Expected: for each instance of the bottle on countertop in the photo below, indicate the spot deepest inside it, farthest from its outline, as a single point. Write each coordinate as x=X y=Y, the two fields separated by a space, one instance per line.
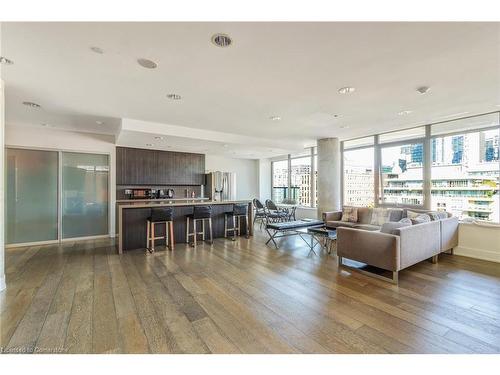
x=193 y=195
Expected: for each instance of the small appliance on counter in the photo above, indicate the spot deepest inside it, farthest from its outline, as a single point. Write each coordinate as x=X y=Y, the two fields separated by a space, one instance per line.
x=165 y=193
x=141 y=194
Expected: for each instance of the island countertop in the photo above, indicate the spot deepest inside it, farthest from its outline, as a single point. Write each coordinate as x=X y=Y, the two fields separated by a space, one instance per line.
x=132 y=218
x=176 y=203
x=162 y=200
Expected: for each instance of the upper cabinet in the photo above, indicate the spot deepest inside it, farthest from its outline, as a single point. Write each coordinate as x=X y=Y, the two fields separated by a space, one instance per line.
x=150 y=167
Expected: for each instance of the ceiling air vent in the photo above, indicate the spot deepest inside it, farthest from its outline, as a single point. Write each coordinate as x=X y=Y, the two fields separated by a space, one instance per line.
x=221 y=40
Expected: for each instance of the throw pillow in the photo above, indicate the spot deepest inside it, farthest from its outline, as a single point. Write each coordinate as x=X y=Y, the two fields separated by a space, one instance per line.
x=379 y=216
x=406 y=221
x=350 y=214
x=422 y=218
x=412 y=214
x=391 y=226
x=438 y=215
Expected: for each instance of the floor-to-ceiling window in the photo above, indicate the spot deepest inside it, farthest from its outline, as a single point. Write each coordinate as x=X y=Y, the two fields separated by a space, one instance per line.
x=358 y=166
x=294 y=177
x=466 y=168
x=54 y=195
x=300 y=180
x=451 y=166
x=401 y=174
x=280 y=181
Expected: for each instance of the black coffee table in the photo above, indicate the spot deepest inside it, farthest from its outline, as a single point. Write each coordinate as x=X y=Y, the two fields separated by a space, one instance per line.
x=323 y=236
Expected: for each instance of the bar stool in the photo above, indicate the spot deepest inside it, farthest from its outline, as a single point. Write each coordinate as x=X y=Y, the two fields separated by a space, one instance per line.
x=160 y=215
x=239 y=211
x=200 y=213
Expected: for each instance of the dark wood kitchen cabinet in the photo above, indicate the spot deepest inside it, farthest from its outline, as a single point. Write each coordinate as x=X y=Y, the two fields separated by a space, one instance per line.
x=150 y=167
x=140 y=167
x=166 y=167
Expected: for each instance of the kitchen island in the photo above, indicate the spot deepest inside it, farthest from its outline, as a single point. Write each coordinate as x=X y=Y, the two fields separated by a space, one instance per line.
x=132 y=217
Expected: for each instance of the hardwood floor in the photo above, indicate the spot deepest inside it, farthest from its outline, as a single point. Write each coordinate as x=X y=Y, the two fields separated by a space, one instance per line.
x=240 y=297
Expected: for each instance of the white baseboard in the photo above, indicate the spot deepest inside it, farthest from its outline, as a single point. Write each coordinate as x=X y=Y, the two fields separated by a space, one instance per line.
x=492 y=256
x=2 y=283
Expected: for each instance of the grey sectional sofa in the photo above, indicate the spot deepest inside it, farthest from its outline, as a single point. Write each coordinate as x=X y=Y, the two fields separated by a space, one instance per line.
x=403 y=247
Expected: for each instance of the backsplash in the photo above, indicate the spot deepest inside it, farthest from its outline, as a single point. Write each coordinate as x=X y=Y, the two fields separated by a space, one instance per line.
x=179 y=191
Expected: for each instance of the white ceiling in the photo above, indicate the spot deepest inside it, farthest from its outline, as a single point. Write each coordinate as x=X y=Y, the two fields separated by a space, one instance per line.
x=292 y=70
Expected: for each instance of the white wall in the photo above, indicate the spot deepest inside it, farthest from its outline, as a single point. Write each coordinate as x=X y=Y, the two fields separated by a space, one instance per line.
x=265 y=179
x=247 y=173
x=32 y=137
x=480 y=242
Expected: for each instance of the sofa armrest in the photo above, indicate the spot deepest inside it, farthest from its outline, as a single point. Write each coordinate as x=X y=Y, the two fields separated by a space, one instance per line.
x=419 y=242
x=332 y=216
x=374 y=248
x=449 y=233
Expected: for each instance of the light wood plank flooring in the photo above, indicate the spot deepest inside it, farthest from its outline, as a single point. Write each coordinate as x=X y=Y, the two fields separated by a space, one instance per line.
x=240 y=297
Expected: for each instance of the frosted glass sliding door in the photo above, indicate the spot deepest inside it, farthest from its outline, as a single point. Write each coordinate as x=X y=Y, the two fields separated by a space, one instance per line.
x=31 y=195
x=84 y=194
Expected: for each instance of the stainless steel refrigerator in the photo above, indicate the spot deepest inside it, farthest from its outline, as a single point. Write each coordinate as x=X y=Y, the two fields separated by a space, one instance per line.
x=221 y=186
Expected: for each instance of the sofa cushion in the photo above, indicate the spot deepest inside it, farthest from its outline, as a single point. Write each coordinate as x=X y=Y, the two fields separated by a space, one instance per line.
x=367 y=227
x=350 y=214
x=406 y=220
x=336 y=224
x=390 y=227
x=419 y=219
x=379 y=216
x=364 y=215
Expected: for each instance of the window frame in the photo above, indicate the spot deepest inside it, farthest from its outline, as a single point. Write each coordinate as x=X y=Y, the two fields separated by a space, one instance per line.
x=312 y=152
x=426 y=141
x=342 y=168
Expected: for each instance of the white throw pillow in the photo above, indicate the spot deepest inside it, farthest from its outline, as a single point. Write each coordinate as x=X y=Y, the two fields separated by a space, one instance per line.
x=412 y=214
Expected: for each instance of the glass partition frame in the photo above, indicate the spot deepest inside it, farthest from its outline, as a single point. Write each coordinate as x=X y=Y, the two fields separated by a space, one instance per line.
x=59 y=193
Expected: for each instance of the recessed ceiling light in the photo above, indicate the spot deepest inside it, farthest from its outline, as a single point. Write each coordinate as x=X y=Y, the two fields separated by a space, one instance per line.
x=148 y=64
x=159 y=138
x=221 y=40
x=99 y=122
x=149 y=144
x=404 y=113
x=5 y=61
x=336 y=115
x=423 y=90
x=44 y=124
x=275 y=118
x=174 y=97
x=346 y=90
x=97 y=50
x=32 y=105
x=344 y=127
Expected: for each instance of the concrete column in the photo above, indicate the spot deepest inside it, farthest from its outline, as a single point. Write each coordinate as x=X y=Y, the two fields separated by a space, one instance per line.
x=329 y=182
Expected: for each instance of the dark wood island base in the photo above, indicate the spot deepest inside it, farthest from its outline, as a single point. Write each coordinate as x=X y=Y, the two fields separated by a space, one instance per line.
x=132 y=219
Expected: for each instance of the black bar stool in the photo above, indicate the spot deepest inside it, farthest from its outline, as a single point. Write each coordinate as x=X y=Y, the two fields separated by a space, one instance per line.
x=160 y=215
x=200 y=213
x=239 y=211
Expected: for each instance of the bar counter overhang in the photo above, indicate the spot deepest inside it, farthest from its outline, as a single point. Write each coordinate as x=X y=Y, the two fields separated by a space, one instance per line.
x=132 y=217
